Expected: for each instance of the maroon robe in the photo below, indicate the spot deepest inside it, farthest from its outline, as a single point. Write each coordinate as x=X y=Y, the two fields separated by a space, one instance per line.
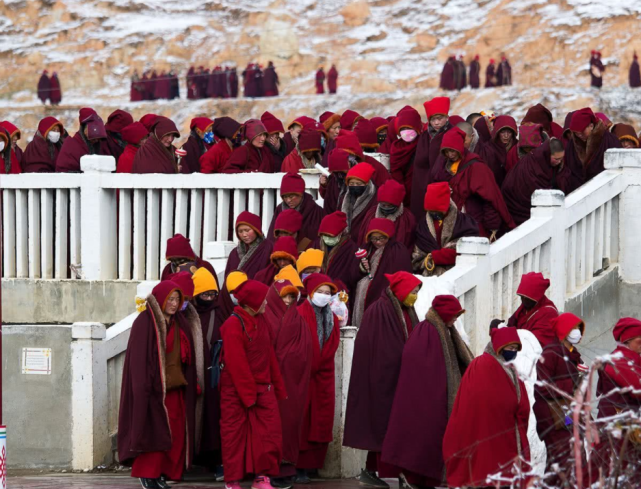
x=312 y=216
x=402 y=156
x=293 y=346
x=195 y=147
x=355 y=220
x=495 y=153
x=153 y=157
x=248 y=158
x=270 y=82
x=404 y=222
x=634 y=75
x=475 y=72
x=41 y=155
x=490 y=79
x=74 y=148
x=56 y=91
x=332 y=80
x=448 y=81
x=332 y=194
x=320 y=80
x=533 y=172
x=44 y=88
x=537 y=320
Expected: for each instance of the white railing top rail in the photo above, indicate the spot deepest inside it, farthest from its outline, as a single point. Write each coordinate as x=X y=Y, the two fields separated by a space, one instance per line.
x=25 y=181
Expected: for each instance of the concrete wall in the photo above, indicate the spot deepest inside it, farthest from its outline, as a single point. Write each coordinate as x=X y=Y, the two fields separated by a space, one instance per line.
x=29 y=301
x=629 y=304
x=37 y=408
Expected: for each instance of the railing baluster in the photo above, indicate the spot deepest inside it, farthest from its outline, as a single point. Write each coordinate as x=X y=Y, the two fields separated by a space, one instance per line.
x=269 y=198
x=153 y=234
x=124 y=234
x=166 y=224
x=590 y=245
x=572 y=258
x=239 y=204
x=253 y=201
x=9 y=233
x=75 y=236
x=536 y=265
x=599 y=237
x=139 y=234
x=607 y=238
x=62 y=227
x=196 y=220
x=222 y=211
x=182 y=204
x=209 y=215
x=22 y=236
x=46 y=245
x=582 y=253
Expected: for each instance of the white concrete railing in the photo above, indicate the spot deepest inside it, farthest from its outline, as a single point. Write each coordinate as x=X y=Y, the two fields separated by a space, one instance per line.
x=125 y=220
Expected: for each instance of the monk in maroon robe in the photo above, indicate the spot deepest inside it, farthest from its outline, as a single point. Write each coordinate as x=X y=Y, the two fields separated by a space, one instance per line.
x=403 y=150
x=378 y=350
x=348 y=141
x=135 y=136
x=284 y=253
x=448 y=81
x=250 y=388
x=56 y=90
x=8 y=159
x=434 y=359
x=596 y=70
x=320 y=81
x=589 y=140
x=275 y=142
x=228 y=132
x=627 y=135
x=504 y=73
x=359 y=198
x=270 y=81
x=543 y=168
x=333 y=188
x=539 y=114
x=42 y=152
x=487 y=430
x=428 y=150
x=318 y=421
x=473 y=186
x=438 y=233
x=162 y=377
x=89 y=140
x=536 y=311
x=504 y=140
x=634 y=74
x=390 y=206
x=490 y=77
x=12 y=154
x=179 y=253
x=158 y=154
x=116 y=122
x=332 y=80
x=201 y=138
x=475 y=73
x=293 y=345
x=44 y=87
x=253 y=156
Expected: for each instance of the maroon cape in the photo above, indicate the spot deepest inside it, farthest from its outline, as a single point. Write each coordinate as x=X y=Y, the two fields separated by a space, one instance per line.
x=537 y=321
x=56 y=91
x=293 y=346
x=270 y=82
x=404 y=222
x=44 y=88
x=41 y=155
x=533 y=172
x=481 y=436
x=635 y=75
x=312 y=216
x=495 y=156
x=195 y=148
x=332 y=80
x=402 y=157
x=447 y=75
x=376 y=364
x=153 y=157
x=76 y=147
x=589 y=165
x=475 y=72
x=490 y=80
x=248 y=158
x=464 y=225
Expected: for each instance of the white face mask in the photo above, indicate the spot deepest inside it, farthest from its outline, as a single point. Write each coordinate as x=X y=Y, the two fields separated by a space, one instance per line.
x=53 y=136
x=1 y=146
x=321 y=300
x=233 y=299
x=408 y=135
x=574 y=337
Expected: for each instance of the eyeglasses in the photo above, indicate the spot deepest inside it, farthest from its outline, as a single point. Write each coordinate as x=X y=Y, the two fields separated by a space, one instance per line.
x=209 y=295
x=378 y=239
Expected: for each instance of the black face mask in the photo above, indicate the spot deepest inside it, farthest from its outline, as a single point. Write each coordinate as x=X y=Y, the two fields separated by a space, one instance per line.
x=340 y=178
x=387 y=209
x=237 y=141
x=436 y=216
x=508 y=355
x=202 y=302
x=356 y=191
x=381 y=137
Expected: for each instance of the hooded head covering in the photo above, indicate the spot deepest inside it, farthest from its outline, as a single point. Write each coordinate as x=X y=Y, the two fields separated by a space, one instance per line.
x=402 y=283
x=11 y=129
x=133 y=133
x=502 y=337
x=95 y=127
x=362 y=172
x=333 y=224
x=251 y=294
x=204 y=281
x=379 y=123
x=348 y=119
x=164 y=289
x=381 y=226
x=330 y=121
x=626 y=132
x=292 y=183
x=391 y=192
x=164 y=126
x=185 y=282
x=285 y=248
x=317 y=280
x=225 y=127
x=252 y=220
x=290 y=221
x=202 y=123
x=539 y=114
x=627 y=329
x=566 y=322
x=310 y=258
x=454 y=139
x=437 y=197
x=504 y=122
x=348 y=141
x=447 y=307
x=47 y=124
x=533 y=286
x=254 y=128
x=338 y=161
x=271 y=123
x=309 y=140
x=285 y=287
x=408 y=118
x=118 y=120
x=366 y=133
x=324 y=116
x=178 y=247
x=530 y=135
x=582 y=119
x=148 y=120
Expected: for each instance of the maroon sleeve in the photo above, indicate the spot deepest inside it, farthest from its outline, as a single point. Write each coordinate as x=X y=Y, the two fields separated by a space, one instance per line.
x=235 y=361
x=444 y=256
x=625 y=375
x=483 y=184
x=546 y=371
x=236 y=162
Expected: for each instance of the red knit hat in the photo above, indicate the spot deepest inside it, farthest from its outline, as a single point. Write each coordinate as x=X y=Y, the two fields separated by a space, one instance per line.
x=338 y=161
x=502 y=337
x=309 y=139
x=185 y=282
x=348 y=119
x=437 y=106
x=362 y=171
x=627 y=329
x=533 y=286
x=289 y=220
x=566 y=322
x=402 y=283
x=454 y=139
x=271 y=123
x=437 y=197
x=408 y=118
x=163 y=290
x=530 y=135
x=301 y=121
x=251 y=220
x=202 y=123
x=251 y=294
x=391 y=192
x=178 y=247
x=333 y=224
x=582 y=119
x=148 y=120
x=133 y=133
x=285 y=247
x=381 y=226
x=316 y=280
x=379 y=123
x=46 y=125
x=447 y=307
x=366 y=133
x=292 y=183
x=348 y=141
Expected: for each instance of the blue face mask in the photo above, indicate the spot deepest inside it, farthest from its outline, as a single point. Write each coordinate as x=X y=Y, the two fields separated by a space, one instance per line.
x=323 y=142
x=509 y=355
x=184 y=306
x=208 y=137
x=304 y=276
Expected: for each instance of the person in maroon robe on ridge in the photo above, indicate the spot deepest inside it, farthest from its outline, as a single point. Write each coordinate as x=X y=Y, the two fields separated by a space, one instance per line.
x=229 y=134
x=378 y=350
x=448 y=78
x=116 y=121
x=201 y=139
x=135 y=136
x=135 y=92
x=403 y=149
x=253 y=156
x=56 y=90
x=318 y=421
x=475 y=73
x=543 y=168
x=504 y=140
x=158 y=154
x=634 y=75
x=487 y=430
x=191 y=90
x=490 y=76
x=332 y=80
x=233 y=82
x=473 y=186
x=159 y=427
x=91 y=139
x=44 y=87
x=42 y=152
x=390 y=206
x=433 y=361
x=436 y=236
x=250 y=388
x=270 y=81
x=320 y=81
x=596 y=70
x=504 y=73
x=585 y=152
x=293 y=345
x=428 y=151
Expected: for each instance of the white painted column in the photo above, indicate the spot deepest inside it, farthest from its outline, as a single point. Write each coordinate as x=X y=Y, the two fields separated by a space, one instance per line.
x=98 y=219
x=217 y=253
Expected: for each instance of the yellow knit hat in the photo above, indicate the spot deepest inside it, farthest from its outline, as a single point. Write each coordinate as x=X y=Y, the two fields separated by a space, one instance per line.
x=234 y=279
x=289 y=273
x=203 y=281
x=310 y=258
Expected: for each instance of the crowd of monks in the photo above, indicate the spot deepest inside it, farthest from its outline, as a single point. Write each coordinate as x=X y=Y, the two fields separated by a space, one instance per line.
x=49 y=88
x=238 y=376
x=152 y=86
x=332 y=80
x=454 y=75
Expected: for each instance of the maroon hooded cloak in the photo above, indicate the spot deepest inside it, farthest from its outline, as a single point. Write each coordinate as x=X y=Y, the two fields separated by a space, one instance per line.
x=116 y=122
x=78 y=146
x=248 y=158
x=44 y=87
x=312 y=216
x=475 y=74
x=490 y=78
x=41 y=155
x=447 y=75
x=332 y=79
x=634 y=74
x=153 y=156
x=494 y=153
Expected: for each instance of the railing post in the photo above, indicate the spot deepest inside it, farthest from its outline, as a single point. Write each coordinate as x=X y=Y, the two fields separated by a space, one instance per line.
x=98 y=219
x=551 y=204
